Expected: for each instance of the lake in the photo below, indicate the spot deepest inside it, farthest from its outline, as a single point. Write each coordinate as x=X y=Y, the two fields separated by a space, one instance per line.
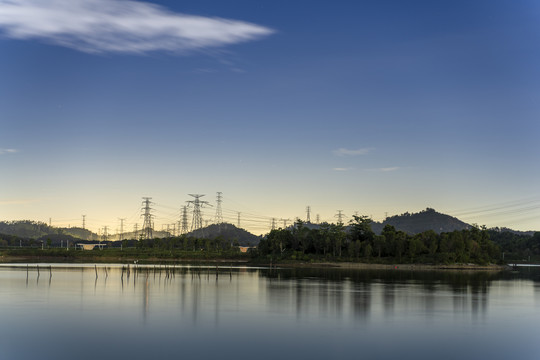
x=74 y=311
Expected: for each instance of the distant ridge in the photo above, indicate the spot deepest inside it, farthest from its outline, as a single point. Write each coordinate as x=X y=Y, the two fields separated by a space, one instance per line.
x=228 y=232
x=416 y=223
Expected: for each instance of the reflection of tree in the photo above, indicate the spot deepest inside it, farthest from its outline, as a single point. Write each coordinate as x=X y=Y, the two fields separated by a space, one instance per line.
x=361 y=299
x=469 y=290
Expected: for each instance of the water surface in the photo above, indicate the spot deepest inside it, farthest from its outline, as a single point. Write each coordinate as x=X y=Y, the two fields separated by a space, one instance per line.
x=82 y=312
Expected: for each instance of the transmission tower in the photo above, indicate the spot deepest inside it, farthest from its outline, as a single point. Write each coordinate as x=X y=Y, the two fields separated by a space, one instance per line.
x=105 y=234
x=121 y=229
x=285 y=222
x=219 y=213
x=239 y=221
x=308 y=211
x=340 y=216
x=136 y=230
x=318 y=219
x=84 y=222
x=273 y=226
x=197 y=216
x=184 y=228
x=148 y=224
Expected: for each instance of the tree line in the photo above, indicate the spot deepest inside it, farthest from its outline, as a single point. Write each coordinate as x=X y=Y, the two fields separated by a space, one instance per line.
x=358 y=242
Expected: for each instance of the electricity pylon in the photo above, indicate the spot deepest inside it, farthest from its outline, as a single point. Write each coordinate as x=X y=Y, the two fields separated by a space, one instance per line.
x=121 y=237
x=184 y=228
x=219 y=213
x=340 y=216
x=197 y=222
x=148 y=224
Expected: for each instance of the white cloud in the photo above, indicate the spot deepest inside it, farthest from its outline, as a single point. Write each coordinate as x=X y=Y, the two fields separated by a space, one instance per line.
x=347 y=152
x=385 y=169
x=8 y=151
x=341 y=169
x=121 y=26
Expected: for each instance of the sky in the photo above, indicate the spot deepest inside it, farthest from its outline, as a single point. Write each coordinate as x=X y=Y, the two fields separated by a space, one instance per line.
x=374 y=108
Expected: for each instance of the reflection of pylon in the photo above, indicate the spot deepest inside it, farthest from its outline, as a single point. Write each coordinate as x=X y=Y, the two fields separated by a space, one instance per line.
x=219 y=214
x=184 y=228
x=197 y=216
x=148 y=225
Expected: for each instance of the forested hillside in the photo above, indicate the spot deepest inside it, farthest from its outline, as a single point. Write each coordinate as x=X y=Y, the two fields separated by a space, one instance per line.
x=416 y=223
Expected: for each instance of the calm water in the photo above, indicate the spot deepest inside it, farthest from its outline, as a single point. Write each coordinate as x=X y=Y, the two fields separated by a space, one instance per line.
x=256 y=313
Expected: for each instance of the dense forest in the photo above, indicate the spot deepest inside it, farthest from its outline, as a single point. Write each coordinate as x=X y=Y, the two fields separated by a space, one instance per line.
x=518 y=247
x=358 y=242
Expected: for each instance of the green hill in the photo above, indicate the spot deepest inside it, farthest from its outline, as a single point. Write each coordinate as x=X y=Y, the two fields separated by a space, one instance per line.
x=416 y=223
x=227 y=232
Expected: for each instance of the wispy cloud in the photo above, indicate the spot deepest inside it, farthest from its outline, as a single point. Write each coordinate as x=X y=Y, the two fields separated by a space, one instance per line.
x=8 y=151
x=342 y=169
x=19 y=201
x=102 y=26
x=384 y=169
x=348 y=152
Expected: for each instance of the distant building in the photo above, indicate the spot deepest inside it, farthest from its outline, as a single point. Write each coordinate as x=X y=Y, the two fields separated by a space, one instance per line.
x=90 y=246
x=244 y=249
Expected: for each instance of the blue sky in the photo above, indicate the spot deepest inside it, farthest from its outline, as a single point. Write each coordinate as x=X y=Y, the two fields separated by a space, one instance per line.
x=369 y=106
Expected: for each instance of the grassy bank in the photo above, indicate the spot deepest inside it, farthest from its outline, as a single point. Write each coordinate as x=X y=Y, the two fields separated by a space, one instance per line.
x=157 y=256
x=117 y=256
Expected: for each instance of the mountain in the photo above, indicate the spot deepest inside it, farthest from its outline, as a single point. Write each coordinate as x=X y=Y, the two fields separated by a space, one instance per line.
x=26 y=229
x=415 y=223
x=228 y=232
x=36 y=230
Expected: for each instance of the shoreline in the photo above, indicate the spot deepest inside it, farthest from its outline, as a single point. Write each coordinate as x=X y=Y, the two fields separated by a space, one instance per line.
x=419 y=267
x=249 y=262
